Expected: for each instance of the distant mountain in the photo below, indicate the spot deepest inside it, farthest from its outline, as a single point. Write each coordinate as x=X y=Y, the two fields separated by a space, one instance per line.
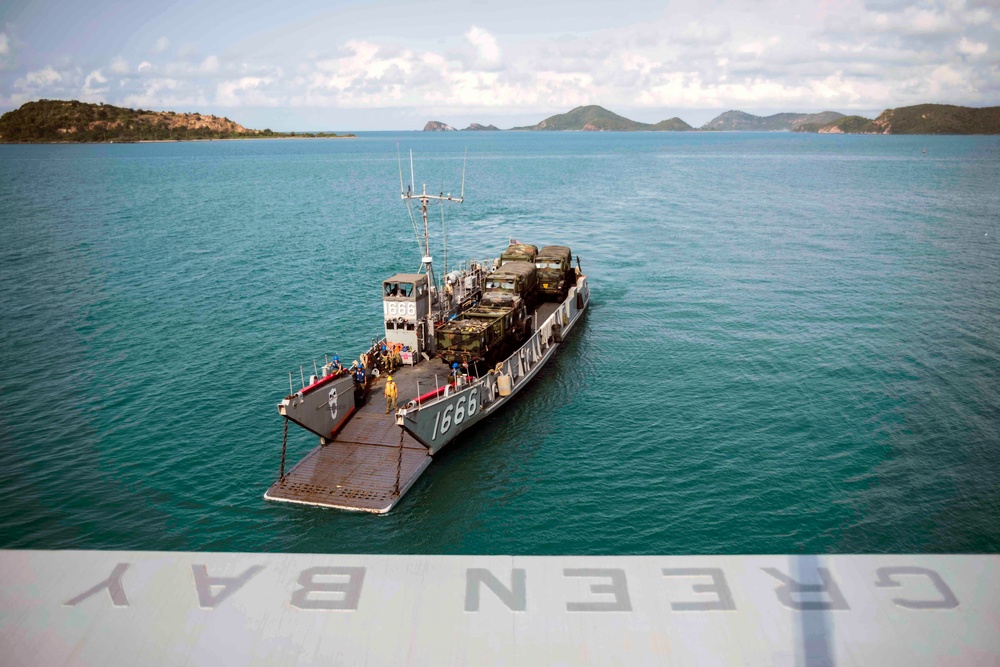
x=437 y=126
x=779 y=122
x=476 y=127
x=598 y=119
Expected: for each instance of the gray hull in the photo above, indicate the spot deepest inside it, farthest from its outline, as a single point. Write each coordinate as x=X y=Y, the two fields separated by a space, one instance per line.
x=323 y=407
x=437 y=423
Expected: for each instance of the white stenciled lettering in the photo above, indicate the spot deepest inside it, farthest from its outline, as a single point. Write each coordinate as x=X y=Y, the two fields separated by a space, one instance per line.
x=113 y=584
x=473 y=401
x=446 y=419
x=399 y=308
x=204 y=584
x=460 y=411
x=349 y=591
x=515 y=597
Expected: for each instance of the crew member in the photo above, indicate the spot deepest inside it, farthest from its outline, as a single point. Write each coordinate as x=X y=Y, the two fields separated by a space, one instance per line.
x=391 y=392
x=359 y=375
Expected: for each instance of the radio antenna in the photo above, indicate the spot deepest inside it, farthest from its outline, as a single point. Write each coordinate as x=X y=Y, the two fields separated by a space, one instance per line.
x=465 y=161
x=425 y=199
x=399 y=160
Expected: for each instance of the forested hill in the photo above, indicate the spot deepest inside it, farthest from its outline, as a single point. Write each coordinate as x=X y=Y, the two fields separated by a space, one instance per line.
x=49 y=121
x=596 y=119
x=922 y=119
x=779 y=122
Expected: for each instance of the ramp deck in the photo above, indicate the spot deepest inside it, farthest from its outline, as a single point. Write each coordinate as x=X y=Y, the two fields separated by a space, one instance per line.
x=356 y=471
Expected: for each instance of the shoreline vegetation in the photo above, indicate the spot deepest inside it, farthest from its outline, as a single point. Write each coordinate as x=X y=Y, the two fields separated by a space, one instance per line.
x=918 y=119
x=73 y=122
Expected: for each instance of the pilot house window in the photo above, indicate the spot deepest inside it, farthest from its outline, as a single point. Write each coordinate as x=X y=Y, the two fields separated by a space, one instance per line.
x=398 y=289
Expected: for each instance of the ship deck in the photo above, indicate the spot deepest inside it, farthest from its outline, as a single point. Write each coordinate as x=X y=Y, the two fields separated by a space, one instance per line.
x=372 y=462
x=358 y=469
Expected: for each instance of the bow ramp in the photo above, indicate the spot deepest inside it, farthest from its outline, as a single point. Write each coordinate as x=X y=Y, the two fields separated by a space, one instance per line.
x=367 y=466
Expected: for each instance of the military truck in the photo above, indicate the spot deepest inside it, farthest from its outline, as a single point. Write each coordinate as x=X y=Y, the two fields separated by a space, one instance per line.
x=519 y=252
x=555 y=272
x=485 y=334
x=498 y=325
x=514 y=277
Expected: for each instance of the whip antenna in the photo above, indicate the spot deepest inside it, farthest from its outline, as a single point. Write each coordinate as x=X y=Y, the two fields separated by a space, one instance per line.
x=465 y=161
x=399 y=160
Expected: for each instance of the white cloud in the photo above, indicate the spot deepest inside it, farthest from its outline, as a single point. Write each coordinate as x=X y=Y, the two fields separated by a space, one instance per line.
x=93 y=90
x=913 y=22
x=39 y=78
x=161 y=45
x=168 y=94
x=118 y=65
x=978 y=16
x=210 y=65
x=245 y=91
x=94 y=77
x=485 y=44
x=971 y=48
x=4 y=44
x=143 y=66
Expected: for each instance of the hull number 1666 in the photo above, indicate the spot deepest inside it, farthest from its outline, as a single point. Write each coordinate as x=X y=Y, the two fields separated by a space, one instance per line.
x=455 y=414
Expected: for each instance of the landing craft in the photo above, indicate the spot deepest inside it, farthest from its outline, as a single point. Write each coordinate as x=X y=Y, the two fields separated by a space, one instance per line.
x=457 y=352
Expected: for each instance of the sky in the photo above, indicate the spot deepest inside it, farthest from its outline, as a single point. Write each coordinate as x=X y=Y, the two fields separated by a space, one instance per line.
x=339 y=65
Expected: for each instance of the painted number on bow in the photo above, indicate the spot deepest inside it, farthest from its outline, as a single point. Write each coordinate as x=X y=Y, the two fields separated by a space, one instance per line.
x=455 y=414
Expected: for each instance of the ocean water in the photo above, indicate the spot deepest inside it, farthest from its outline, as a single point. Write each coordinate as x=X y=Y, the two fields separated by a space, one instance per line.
x=792 y=345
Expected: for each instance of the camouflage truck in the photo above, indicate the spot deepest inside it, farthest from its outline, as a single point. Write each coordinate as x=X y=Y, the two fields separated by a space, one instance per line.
x=514 y=278
x=498 y=325
x=555 y=272
x=519 y=252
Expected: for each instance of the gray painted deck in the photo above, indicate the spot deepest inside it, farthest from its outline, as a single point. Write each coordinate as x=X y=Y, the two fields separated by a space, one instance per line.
x=148 y=608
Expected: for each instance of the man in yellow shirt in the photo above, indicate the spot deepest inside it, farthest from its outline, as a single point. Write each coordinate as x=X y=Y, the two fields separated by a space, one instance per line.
x=390 y=394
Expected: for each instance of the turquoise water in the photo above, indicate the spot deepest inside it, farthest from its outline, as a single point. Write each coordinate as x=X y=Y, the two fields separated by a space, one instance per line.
x=792 y=346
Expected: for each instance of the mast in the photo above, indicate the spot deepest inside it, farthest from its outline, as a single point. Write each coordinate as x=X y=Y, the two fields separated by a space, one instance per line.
x=427 y=263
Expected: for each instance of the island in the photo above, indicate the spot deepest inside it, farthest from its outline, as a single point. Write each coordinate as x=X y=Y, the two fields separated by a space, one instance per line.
x=70 y=121
x=437 y=126
x=594 y=118
x=921 y=119
x=918 y=119
x=739 y=121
